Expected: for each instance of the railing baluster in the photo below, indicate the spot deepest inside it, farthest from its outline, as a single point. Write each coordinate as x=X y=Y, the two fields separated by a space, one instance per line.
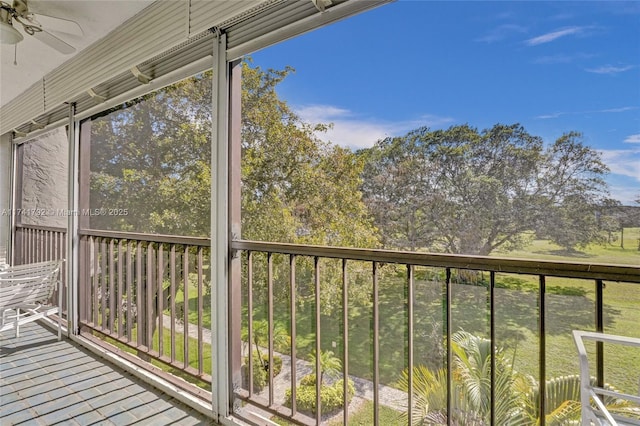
x=270 y=322
x=292 y=307
x=30 y=258
x=200 y=308
x=161 y=299
x=41 y=245
x=51 y=239
x=599 y=329
x=316 y=261
x=139 y=313
x=149 y=297
x=20 y=238
x=82 y=281
x=492 y=338
x=29 y=246
x=410 y=301
x=185 y=305
x=542 y=354
x=103 y=282
x=172 y=291
x=96 y=253
x=449 y=352
x=89 y=279
x=345 y=342
x=34 y=246
x=250 y=318
x=112 y=292
x=376 y=346
x=46 y=244
x=121 y=322
x=129 y=289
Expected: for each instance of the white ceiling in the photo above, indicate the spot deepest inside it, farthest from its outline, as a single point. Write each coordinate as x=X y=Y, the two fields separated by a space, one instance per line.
x=96 y=18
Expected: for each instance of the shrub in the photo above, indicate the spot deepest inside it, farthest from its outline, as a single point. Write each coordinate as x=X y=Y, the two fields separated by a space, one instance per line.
x=331 y=396
x=260 y=374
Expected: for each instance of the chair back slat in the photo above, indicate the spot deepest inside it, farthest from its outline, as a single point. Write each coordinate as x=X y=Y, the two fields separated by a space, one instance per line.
x=28 y=284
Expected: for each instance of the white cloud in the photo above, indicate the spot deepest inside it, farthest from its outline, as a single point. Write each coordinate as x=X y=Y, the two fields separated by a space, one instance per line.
x=627 y=195
x=352 y=131
x=320 y=113
x=625 y=162
x=554 y=35
x=501 y=33
x=633 y=138
x=562 y=58
x=550 y=116
x=621 y=109
x=609 y=69
x=597 y=111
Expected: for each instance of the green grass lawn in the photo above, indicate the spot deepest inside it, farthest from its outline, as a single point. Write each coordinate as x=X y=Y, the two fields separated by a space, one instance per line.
x=611 y=253
x=362 y=416
x=179 y=355
x=570 y=305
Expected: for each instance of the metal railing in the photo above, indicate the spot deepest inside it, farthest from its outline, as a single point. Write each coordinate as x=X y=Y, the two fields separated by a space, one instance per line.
x=34 y=243
x=147 y=294
x=282 y=280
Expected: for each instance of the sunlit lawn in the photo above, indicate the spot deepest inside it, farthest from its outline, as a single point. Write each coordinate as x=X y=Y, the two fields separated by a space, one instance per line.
x=570 y=305
x=178 y=356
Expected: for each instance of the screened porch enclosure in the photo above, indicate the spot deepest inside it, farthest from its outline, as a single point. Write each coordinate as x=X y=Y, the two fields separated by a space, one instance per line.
x=128 y=163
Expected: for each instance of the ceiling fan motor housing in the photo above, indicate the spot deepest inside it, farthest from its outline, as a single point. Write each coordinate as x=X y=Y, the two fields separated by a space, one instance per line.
x=21 y=8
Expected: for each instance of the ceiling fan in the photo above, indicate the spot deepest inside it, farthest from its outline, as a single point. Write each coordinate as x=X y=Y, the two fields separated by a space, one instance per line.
x=35 y=25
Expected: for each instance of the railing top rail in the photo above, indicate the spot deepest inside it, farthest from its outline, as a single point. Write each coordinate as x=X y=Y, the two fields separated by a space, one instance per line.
x=625 y=273
x=151 y=238
x=40 y=227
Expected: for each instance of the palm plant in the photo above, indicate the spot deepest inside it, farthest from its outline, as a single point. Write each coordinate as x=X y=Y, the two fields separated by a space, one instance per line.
x=516 y=395
x=329 y=364
x=471 y=386
x=260 y=338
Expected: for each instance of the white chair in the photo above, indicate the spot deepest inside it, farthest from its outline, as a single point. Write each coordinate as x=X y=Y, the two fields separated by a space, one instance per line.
x=592 y=397
x=25 y=291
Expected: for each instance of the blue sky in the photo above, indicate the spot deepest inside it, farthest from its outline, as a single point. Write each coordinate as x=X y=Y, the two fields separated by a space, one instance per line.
x=554 y=67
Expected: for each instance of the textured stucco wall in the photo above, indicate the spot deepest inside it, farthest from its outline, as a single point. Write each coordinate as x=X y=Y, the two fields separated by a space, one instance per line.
x=44 y=180
x=5 y=193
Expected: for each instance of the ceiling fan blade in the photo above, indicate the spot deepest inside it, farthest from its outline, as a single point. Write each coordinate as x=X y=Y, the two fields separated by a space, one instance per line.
x=54 y=42
x=52 y=23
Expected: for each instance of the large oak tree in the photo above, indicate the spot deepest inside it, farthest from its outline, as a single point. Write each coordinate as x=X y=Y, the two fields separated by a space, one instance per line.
x=464 y=190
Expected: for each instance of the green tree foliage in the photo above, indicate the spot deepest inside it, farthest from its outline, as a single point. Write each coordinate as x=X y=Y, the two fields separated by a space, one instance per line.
x=462 y=190
x=295 y=188
x=151 y=157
